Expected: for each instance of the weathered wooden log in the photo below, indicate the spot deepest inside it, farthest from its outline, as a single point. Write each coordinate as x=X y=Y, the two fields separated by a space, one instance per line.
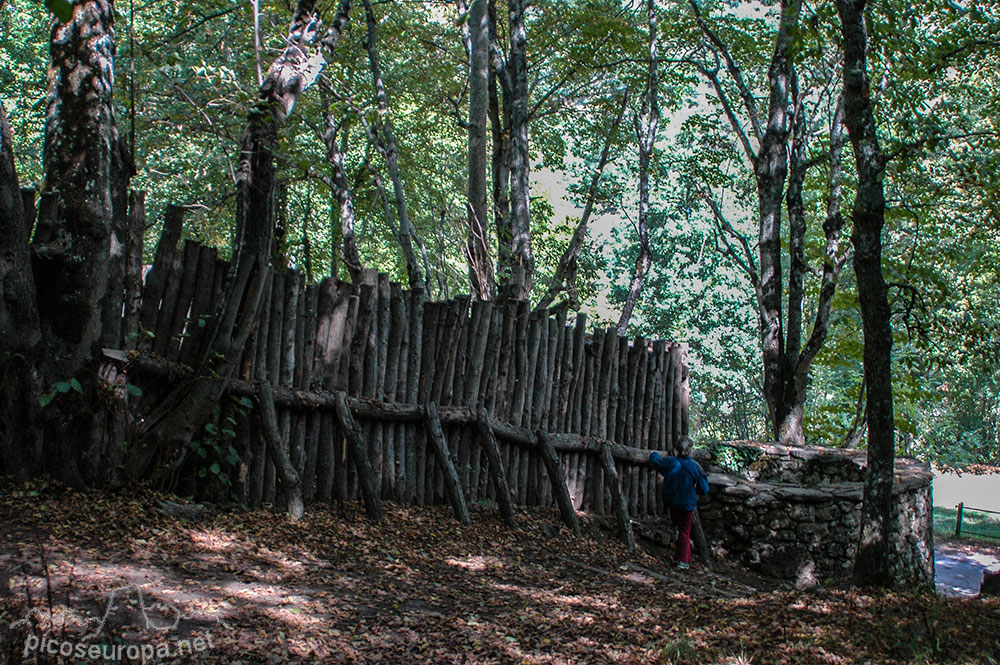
x=164 y=316
x=676 y=434
x=303 y=368
x=258 y=371
x=558 y=482
x=685 y=400
x=452 y=483
x=700 y=542
x=373 y=409
x=311 y=437
x=382 y=465
x=133 y=265
x=415 y=303
x=359 y=453
x=288 y=477
x=577 y=386
x=560 y=334
x=156 y=278
x=618 y=498
x=647 y=403
x=489 y=442
x=430 y=329
x=628 y=437
x=390 y=379
x=608 y=357
x=195 y=340
x=621 y=413
x=537 y=327
x=178 y=324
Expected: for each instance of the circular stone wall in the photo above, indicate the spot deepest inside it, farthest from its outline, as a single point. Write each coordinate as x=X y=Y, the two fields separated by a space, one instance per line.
x=795 y=513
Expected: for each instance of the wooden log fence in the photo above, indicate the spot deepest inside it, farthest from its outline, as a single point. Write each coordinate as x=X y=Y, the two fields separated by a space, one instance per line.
x=379 y=395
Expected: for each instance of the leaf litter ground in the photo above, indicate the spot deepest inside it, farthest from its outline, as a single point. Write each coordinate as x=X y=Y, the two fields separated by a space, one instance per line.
x=420 y=588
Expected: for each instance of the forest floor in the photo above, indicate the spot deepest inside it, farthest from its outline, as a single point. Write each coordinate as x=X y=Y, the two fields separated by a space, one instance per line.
x=109 y=571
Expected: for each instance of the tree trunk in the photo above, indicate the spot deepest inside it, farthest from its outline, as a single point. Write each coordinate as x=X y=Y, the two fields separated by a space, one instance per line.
x=499 y=116
x=345 y=201
x=564 y=277
x=176 y=420
x=477 y=248
x=516 y=275
x=872 y=566
x=797 y=372
x=391 y=153
x=646 y=127
x=83 y=170
x=770 y=170
x=19 y=334
x=789 y=408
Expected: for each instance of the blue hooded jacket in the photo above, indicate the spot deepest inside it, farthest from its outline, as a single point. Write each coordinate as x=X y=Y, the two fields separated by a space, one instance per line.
x=683 y=480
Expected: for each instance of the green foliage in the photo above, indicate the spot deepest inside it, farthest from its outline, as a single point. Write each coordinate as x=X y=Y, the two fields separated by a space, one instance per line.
x=214 y=455
x=187 y=73
x=735 y=459
x=60 y=388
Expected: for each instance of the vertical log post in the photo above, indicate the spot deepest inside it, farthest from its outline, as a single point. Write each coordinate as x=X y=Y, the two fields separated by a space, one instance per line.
x=489 y=443
x=617 y=498
x=451 y=482
x=559 y=489
x=373 y=506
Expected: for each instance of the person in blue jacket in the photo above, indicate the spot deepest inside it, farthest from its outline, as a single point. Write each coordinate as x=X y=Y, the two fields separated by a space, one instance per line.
x=683 y=481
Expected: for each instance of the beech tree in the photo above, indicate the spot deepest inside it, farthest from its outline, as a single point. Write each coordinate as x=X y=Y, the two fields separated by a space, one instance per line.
x=872 y=565
x=517 y=265
x=87 y=172
x=481 y=274
x=775 y=144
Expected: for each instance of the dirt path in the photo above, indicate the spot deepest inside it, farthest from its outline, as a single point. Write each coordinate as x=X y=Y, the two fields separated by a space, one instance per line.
x=420 y=588
x=958 y=568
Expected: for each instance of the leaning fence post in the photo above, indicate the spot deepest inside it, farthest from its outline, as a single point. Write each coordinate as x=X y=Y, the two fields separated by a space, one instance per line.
x=451 y=481
x=366 y=479
x=559 y=489
x=958 y=519
x=489 y=443
x=617 y=497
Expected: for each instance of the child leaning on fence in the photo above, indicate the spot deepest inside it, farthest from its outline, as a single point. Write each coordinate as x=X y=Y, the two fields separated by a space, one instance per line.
x=683 y=481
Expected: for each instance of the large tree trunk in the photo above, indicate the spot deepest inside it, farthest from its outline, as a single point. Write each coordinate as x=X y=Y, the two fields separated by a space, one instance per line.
x=517 y=273
x=477 y=246
x=83 y=170
x=789 y=409
x=798 y=361
x=499 y=116
x=872 y=565
x=771 y=169
x=646 y=127
x=19 y=333
x=181 y=415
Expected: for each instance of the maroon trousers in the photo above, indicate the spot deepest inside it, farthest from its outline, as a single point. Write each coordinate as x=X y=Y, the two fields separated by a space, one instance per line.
x=682 y=519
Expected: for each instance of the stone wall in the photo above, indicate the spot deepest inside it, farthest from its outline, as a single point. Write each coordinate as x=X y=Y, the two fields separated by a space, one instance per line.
x=794 y=513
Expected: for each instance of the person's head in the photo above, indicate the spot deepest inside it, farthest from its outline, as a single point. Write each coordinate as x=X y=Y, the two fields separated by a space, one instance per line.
x=685 y=446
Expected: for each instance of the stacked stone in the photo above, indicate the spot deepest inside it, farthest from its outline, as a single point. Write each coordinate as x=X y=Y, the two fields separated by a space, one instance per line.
x=795 y=514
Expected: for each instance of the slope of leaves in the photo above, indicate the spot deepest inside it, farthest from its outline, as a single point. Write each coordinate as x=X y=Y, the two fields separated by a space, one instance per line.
x=420 y=588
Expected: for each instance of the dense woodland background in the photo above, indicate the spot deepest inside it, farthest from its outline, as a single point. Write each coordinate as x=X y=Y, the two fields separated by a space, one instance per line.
x=188 y=73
